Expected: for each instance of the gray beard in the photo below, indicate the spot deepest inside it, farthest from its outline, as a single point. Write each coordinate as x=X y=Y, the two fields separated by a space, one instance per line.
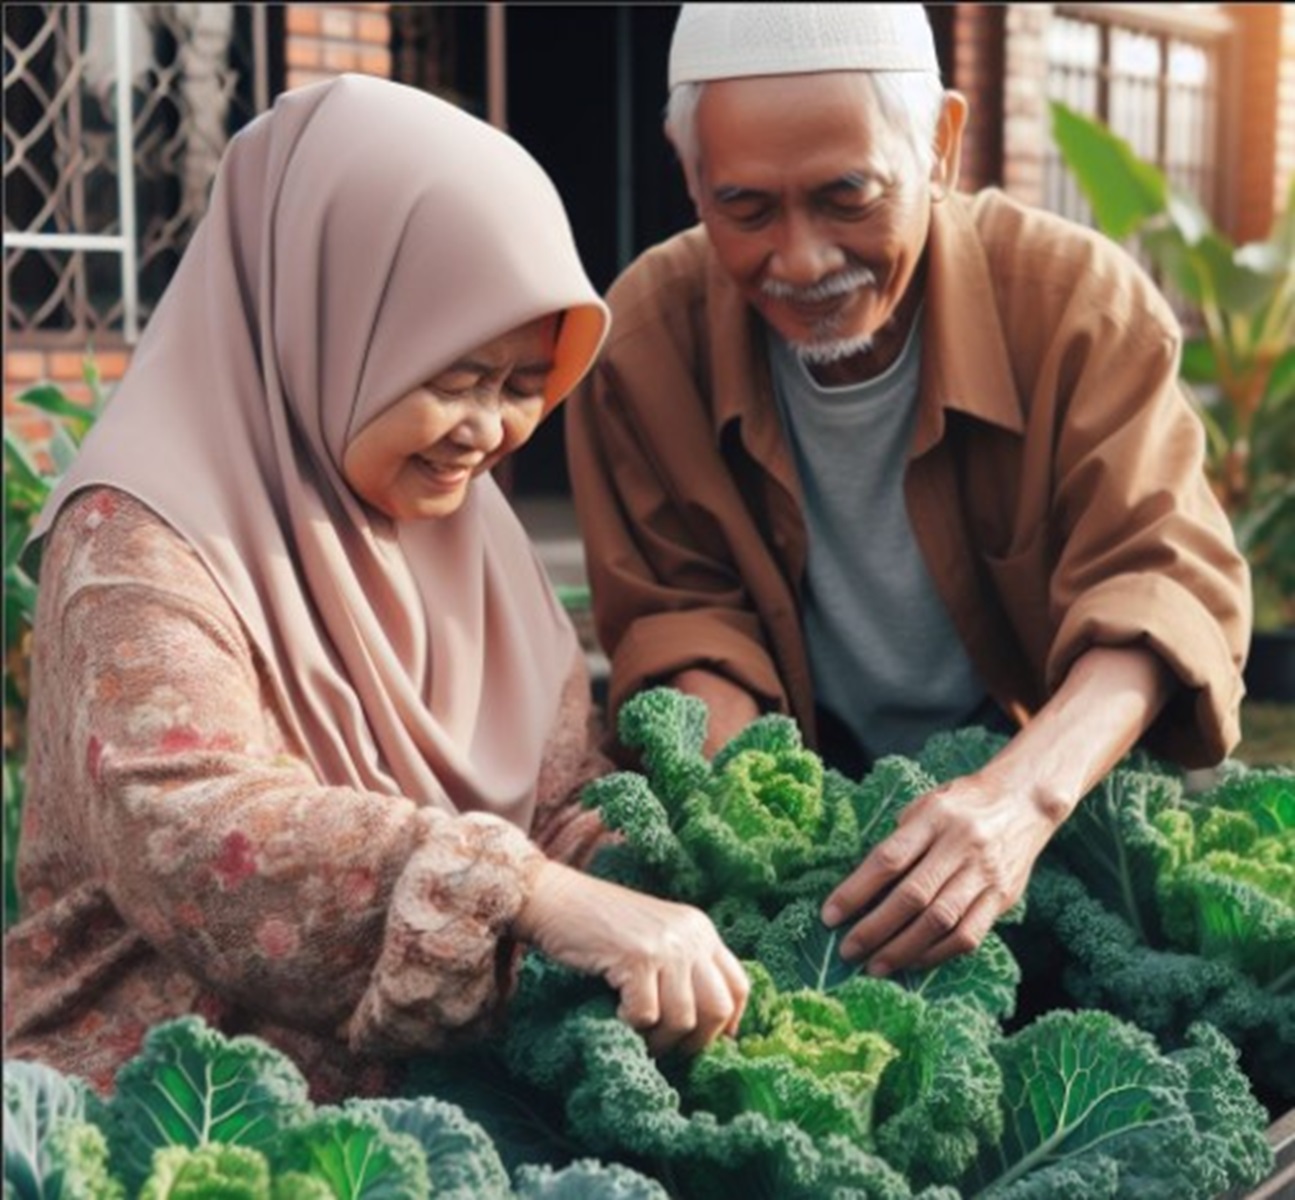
x=822 y=352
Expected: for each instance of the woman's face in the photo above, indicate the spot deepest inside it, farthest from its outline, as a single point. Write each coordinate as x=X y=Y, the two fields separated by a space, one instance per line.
x=416 y=458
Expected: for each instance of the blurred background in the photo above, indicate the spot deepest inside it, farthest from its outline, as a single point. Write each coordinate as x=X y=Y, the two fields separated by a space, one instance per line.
x=115 y=117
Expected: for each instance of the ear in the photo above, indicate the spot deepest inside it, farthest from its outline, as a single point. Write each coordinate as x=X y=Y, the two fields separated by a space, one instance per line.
x=948 y=144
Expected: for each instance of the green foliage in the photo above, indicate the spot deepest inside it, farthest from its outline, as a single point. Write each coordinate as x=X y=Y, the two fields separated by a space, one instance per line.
x=29 y=477
x=1242 y=365
x=197 y=1114
x=1173 y=908
x=210 y=1172
x=838 y=1084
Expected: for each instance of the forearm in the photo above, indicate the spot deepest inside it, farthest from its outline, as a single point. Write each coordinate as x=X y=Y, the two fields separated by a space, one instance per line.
x=731 y=707
x=1108 y=700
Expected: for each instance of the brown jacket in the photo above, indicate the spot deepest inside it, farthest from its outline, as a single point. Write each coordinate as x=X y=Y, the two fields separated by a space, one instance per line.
x=1054 y=483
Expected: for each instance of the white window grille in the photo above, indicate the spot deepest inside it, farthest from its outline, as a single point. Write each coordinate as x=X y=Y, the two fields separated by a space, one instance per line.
x=115 y=119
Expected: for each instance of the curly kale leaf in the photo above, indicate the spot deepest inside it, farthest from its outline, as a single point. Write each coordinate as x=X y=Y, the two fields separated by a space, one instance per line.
x=462 y=1161
x=52 y=1147
x=1094 y=1108
x=190 y=1086
x=1226 y=883
x=1113 y=843
x=797 y=1058
x=1107 y=965
x=668 y=729
x=987 y=978
x=956 y=753
x=207 y=1171
x=758 y=821
x=799 y=951
x=893 y=783
x=355 y=1154
x=586 y=1179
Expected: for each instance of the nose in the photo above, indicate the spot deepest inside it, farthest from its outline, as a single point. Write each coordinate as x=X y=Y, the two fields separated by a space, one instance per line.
x=481 y=429
x=803 y=254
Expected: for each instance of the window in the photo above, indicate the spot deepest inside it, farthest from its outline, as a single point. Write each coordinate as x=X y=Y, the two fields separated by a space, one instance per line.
x=1152 y=74
x=115 y=118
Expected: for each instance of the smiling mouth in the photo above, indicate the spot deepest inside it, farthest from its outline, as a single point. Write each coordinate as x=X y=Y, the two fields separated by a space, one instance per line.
x=445 y=477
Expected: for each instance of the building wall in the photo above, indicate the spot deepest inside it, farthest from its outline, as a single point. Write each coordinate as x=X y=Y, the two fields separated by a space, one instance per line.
x=1285 y=173
x=1257 y=133
x=1025 y=130
x=324 y=40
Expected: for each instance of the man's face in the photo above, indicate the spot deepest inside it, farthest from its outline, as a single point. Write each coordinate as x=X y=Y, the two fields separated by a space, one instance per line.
x=815 y=206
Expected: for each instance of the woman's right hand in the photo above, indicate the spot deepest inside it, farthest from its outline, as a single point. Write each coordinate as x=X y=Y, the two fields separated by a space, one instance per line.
x=679 y=985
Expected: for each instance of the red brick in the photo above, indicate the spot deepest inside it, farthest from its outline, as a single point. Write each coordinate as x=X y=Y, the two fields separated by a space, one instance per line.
x=337 y=24
x=65 y=365
x=302 y=53
x=24 y=366
x=340 y=57
x=369 y=27
x=376 y=62
x=112 y=364
x=302 y=19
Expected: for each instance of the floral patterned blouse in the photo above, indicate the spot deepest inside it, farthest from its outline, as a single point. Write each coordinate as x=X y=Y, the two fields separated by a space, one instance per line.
x=178 y=855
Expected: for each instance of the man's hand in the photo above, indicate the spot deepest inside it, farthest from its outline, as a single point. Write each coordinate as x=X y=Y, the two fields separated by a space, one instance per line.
x=731 y=707
x=960 y=858
x=679 y=984
x=962 y=854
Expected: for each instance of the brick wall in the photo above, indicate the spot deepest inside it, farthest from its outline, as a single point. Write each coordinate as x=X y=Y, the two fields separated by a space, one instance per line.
x=978 y=60
x=1025 y=112
x=26 y=366
x=1285 y=109
x=323 y=40
x=1259 y=60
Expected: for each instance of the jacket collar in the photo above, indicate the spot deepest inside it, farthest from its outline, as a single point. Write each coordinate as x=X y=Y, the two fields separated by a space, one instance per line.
x=965 y=363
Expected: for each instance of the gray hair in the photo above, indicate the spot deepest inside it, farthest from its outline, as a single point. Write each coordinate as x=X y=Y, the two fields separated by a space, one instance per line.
x=910 y=102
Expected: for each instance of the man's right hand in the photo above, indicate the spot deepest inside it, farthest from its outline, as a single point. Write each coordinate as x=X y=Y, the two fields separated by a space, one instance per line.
x=679 y=985
x=731 y=707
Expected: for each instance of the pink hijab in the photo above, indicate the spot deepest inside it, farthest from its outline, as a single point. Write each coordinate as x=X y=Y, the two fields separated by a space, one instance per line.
x=361 y=236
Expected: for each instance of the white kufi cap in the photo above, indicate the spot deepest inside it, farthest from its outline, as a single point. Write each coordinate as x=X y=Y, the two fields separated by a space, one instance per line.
x=732 y=41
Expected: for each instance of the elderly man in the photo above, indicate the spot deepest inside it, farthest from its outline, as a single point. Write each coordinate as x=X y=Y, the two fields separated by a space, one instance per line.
x=896 y=459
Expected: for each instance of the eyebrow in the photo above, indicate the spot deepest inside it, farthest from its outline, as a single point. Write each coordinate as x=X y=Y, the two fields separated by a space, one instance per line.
x=849 y=181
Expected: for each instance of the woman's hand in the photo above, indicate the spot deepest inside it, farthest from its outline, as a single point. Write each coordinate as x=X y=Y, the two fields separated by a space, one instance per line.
x=679 y=984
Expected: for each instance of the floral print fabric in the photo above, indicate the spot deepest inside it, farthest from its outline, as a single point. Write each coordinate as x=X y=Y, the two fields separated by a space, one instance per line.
x=178 y=855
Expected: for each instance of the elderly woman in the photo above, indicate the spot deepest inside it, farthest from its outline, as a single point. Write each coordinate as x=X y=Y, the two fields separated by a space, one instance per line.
x=307 y=723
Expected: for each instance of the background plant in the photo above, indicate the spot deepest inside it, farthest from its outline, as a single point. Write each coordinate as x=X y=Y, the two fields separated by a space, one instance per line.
x=1240 y=365
x=31 y=472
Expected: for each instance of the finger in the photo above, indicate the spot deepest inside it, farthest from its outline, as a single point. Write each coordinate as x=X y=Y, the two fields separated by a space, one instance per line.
x=640 y=1004
x=909 y=900
x=678 y=1014
x=739 y=987
x=938 y=921
x=887 y=861
x=714 y=1001
x=970 y=933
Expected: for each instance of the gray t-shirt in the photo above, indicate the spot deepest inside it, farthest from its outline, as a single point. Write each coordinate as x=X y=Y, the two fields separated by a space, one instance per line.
x=884 y=655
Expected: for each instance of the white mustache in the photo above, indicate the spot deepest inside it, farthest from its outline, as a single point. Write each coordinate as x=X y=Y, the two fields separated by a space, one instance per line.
x=840 y=284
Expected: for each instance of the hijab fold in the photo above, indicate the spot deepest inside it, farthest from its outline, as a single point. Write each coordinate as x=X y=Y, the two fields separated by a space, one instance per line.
x=361 y=236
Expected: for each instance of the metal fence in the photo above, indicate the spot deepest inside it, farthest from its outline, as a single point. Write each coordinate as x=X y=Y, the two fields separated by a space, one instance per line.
x=115 y=118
